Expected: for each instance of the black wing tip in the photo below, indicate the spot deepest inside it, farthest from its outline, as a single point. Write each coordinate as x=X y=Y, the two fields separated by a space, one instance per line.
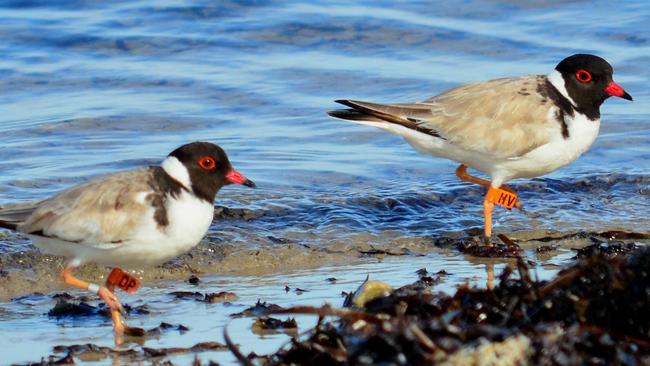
x=352 y=115
x=342 y=113
x=346 y=102
x=8 y=225
x=356 y=112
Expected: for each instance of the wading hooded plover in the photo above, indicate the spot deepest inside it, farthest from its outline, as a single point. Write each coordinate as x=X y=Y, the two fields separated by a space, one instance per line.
x=139 y=217
x=519 y=127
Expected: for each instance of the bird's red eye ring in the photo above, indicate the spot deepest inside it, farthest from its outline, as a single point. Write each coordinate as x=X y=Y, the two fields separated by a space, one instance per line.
x=207 y=163
x=583 y=76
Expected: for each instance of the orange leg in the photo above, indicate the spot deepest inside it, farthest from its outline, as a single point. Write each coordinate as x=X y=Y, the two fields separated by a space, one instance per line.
x=489 y=269
x=461 y=173
x=116 y=316
x=104 y=293
x=488 y=207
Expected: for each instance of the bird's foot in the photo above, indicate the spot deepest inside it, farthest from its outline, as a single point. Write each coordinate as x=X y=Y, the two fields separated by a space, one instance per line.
x=119 y=326
x=487 y=241
x=111 y=300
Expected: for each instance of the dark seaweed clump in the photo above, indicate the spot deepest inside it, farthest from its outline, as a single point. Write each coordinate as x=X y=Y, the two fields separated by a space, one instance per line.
x=129 y=356
x=596 y=312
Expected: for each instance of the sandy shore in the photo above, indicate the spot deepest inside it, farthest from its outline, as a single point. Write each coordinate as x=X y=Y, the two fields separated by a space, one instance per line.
x=28 y=271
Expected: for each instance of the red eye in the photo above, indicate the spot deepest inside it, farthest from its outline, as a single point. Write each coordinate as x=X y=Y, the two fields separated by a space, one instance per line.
x=207 y=163
x=583 y=76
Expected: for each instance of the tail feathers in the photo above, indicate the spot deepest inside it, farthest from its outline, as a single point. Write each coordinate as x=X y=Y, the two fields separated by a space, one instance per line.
x=379 y=111
x=402 y=114
x=8 y=224
x=353 y=115
x=14 y=215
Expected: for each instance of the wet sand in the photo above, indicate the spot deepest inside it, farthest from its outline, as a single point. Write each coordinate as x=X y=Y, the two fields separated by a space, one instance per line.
x=28 y=270
x=286 y=275
x=91 y=88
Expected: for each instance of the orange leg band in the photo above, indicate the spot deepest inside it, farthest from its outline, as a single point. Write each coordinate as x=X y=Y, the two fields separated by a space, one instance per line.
x=461 y=173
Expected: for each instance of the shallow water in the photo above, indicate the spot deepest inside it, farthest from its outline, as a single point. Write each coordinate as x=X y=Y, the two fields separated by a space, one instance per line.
x=91 y=87
x=206 y=321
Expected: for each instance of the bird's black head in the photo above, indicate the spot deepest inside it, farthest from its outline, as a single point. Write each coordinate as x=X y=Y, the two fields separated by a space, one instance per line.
x=588 y=81
x=208 y=168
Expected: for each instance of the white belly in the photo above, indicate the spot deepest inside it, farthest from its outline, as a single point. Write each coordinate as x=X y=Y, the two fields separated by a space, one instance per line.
x=189 y=220
x=557 y=153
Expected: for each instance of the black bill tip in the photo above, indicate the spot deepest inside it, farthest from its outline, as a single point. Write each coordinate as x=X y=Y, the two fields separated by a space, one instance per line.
x=249 y=183
x=627 y=96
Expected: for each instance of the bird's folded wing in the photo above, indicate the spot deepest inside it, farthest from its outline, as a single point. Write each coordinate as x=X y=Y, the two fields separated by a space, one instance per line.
x=13 y=215
x=102 y=211
x=505 y=118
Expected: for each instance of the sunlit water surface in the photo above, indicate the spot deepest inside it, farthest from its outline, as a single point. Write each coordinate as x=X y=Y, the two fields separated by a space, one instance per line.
x=91 y=87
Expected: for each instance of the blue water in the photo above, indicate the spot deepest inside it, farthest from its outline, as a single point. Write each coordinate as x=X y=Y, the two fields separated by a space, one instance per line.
x=92 y=87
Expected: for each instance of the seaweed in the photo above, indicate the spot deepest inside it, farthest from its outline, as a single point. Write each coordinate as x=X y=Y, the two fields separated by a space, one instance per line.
x=199 y=347
x=547 y=248
x=69 y=306
x=222 y=212
x=299 y=290
x=210 y=298
x=194 y=280
x=374 y=251
x=508 y=248
x=259 y=309
x=269 y=325
x=120 y=356
x=611 y=249
x=163 y=327
x=594 y=312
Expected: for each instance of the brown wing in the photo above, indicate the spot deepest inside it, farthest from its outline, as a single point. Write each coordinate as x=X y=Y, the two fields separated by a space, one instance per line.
x=504 y=117
x=406 y=115
x=103 y=210
x=14 y=215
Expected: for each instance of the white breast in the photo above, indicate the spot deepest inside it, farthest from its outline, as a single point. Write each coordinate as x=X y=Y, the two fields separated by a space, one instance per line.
x=558 y=152
x=189 y=220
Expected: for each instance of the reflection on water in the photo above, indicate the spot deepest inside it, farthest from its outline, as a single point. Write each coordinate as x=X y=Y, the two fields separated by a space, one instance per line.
x=206 y=321
x=92 y=87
